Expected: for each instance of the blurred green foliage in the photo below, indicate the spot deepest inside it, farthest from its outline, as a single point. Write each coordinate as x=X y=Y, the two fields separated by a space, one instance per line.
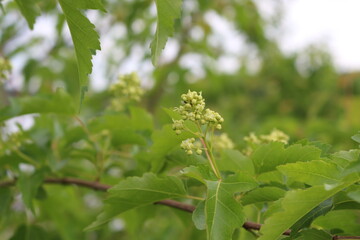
x=300 y=93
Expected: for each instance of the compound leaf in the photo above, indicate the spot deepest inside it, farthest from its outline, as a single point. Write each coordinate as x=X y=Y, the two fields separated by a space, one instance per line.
x=223 y=213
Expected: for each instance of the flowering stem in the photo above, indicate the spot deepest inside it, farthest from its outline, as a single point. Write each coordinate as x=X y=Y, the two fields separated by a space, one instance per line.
x=211 y=159
x=194 y=197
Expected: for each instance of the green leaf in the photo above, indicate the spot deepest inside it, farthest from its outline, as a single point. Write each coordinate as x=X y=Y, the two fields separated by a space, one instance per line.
x=355 y=195
x=267 y=157
x=356 y=138
x=59 y=102
x=344 y=158
x=306 y=220
x=123 y=129
x=261 y=195
x=223 y=213
x=29 y=186
x=296 y=204
x=85 y=38
x=313 y=173
x=342 y=200
x=167 y=12
x=340 y=222
x=141 y=120
x=164 y=140
x=135 y=192
x=200 y=173
x=199 y=217
x=29 y=233
x=234 y=160
x=29 y=10
x=271 y=177
x=5 y=201
x=311 y=234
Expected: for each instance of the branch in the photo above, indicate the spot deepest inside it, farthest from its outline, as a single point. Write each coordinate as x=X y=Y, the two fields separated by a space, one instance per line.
x=170 y=203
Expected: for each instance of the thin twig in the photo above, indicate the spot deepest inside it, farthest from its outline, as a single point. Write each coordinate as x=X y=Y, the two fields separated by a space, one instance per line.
x=336 y=237
x=168 y=202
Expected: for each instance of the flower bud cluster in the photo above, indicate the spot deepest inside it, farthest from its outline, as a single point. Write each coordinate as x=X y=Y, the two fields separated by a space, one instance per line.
x=128 y=86
x=212 y=117
x=189 y=145
x=275 y=136
x=252 y=138
x=193 y=109
x=178 y=126
x=222 y=141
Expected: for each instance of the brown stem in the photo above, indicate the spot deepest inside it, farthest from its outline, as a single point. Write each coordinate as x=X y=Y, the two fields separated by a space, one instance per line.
x=170 y=203
x=345 y=237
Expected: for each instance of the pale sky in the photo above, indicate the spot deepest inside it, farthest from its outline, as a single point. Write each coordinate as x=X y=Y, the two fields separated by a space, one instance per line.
x=334 y=23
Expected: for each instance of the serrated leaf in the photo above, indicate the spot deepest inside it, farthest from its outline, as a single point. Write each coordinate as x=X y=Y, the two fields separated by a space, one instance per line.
x=200 y=173
x=135 y=192
x=167 y=12
x=29 y=10
x=199 y=217
x=223 y=213
x=261 y=195
x=85 y=38
x=296 y=204
x=344 y=158
x=29 y=186
x=267 y=157
x=313 y=173
x=234 y=160
x=59 y=102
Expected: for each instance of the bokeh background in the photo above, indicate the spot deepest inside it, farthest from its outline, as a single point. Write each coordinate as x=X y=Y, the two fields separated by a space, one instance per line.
x=291 y=65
